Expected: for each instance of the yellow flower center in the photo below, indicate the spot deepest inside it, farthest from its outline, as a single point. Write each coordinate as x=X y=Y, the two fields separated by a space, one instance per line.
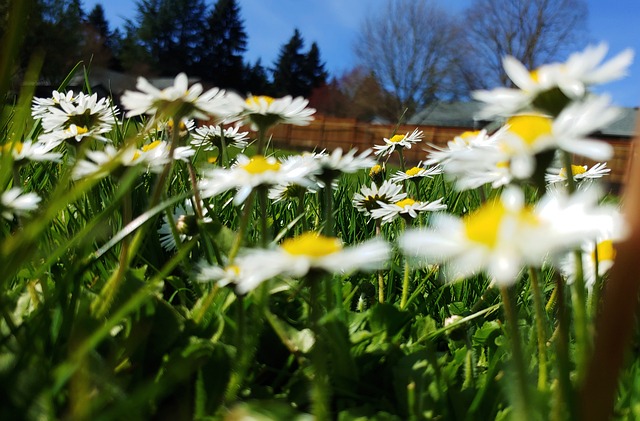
x=15 y=146
x=259 y=164
x=468 y=135
x=376 y=169
x=396 y=138
x=414 y=171
x=81 y=129
x=136 y=155
x=256 y=100
x=212 y=159
x=235 y=269
x=535 y=75
x=482 y=225
x=606 y=251
x=311 y=244
x=151 y=146
x=182 y=125
x=530 y=127
x=405 y=202
x=575 y=169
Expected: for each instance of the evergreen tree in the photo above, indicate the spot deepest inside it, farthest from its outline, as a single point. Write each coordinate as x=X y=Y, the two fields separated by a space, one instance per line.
x=255 y=79
x=170 y=31
x=53 y=29
x=99 y=41
x=288 y=74
x=314 y=68
x=297 y=73
x=224 y=43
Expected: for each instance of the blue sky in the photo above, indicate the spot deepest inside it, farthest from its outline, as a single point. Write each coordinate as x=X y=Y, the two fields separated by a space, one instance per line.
x=333 y=25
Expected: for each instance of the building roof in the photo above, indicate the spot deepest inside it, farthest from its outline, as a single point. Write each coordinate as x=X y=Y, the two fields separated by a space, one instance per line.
x=462 y=114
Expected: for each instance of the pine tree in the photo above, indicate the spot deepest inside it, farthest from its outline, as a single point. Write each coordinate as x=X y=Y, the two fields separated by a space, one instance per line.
x=288 y=76
x=171 y=33
x=297 y=73
x=314 y=68
x=99 y=42
x=256 y=81
x=224 y=43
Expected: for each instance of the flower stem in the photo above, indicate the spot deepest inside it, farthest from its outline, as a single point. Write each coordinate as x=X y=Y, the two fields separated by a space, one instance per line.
x=380 y=273
x=565 y=391
x=541 y=320
x=320 y=392
x=405 y=285
x=244 y=222
x=522 y=406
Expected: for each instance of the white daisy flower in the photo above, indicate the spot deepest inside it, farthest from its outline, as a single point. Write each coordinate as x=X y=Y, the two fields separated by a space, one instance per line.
x=580 y=173
x=572 y=78
x=598 y=257
x=84 y=117
x=579 y=217
x=180 y=98
x=186 y=225
x=369 y=198
x=295 y=257
x=31 y=151
x=504 y=235
x=460 y=145
x=416 y=173
x=398 y=141
x=15 y=202
x=155 y=155
x=248 y=173
x=306 y=163
x=262 y=111
x=41 y=106
x=406 y=208
x=492 y=169
x=332 y=165
x=99 y=164
x=210 y=137
x=228 y=275
x=529 y=134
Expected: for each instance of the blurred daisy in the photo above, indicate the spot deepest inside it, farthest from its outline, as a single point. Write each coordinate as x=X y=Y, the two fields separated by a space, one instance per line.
x=369 y=198
x=307 y=164
x=492 y=170
x=248 y=173
x=406 y=208
x=85 y=117
x=156 y=154
x=210 y=137
x=186 y=225
x=223 y=276
x=295 y=257
x=398 y=141
x=31 y=151
x=336 y=163
x=416 y=173
x=179 y=99
x=598 y=257
x=580 y=173
x=529 y=134
x=460 y=146
x=571 y=78
x=262 y=111
x=500 y=238
x=15 y=202
x=98 y=164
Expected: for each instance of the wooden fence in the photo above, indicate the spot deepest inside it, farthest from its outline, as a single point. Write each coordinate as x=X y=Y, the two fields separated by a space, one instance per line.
x=330 y=133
